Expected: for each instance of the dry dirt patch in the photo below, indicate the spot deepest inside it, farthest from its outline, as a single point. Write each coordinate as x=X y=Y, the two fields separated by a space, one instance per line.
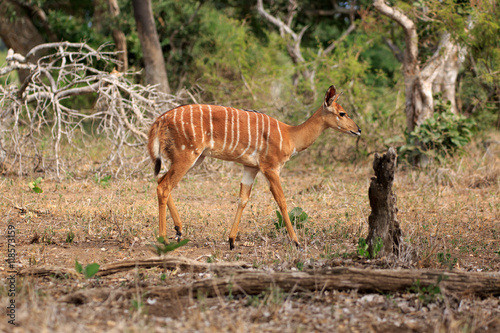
x=450 y=220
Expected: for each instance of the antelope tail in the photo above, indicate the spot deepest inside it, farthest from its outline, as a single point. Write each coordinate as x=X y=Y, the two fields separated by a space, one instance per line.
x=154 y=146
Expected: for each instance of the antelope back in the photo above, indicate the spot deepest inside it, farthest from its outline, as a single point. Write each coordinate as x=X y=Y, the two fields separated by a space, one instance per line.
x=244 y=136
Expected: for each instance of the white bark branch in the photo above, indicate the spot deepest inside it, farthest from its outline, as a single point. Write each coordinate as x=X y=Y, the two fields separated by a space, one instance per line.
x=123 y=112
x=411 y=37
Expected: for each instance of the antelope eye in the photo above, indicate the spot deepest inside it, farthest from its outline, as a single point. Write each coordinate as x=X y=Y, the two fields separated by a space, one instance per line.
x=342 y=114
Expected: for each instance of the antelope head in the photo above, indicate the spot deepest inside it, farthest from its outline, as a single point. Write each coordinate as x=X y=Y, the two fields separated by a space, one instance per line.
x=335 y=115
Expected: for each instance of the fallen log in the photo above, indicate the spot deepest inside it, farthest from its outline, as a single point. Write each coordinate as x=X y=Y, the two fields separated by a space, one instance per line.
x=236 y=280
x=253 y=282
x=182 y=263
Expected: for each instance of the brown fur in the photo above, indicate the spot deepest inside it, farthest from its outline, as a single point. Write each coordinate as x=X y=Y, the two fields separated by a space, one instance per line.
x=188 y=133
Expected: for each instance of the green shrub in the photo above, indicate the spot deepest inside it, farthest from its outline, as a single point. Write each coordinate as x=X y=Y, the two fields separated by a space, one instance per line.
x=164 y=247
x=444 y=134
x=297 y=216
x=88 y=271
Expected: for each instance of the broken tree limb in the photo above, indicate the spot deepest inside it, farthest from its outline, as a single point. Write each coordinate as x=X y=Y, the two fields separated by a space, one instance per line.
x=255 y=282
x=236 y=280
x=182 y=263
x=343 y=278
x=185 y=264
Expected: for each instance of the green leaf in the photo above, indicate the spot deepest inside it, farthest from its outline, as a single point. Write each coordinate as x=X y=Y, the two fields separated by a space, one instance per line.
x=174 y=245
x=168 y=247
x=34 y=185
x=78 y=267
x=90 y=270
x=280 y=224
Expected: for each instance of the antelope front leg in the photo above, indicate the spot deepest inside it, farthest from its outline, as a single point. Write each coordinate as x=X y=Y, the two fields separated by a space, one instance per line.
x=175 y=217
x=245 y=190
x=279 y=196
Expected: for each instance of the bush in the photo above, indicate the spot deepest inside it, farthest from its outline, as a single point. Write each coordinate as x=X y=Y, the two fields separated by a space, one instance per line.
x=444 y=134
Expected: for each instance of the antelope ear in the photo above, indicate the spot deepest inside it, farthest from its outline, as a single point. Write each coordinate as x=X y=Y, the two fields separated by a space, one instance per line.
x=337 y=98
x=329 y=96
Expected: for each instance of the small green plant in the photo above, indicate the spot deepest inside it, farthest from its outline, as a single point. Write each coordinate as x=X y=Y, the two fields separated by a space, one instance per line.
x=164 y=247
x=137 y=305
x=297 y=216
x=70 y=236
x=428 y=294
x=48 y=236
x=363 y=248
x=89 y=271
x=300 y=266
x=253 y=301
x=379 y=244
x=497 y=252
x=441 y=135
x=446 y=260
x=35 y=185
x=230 y=295
x=104 y=181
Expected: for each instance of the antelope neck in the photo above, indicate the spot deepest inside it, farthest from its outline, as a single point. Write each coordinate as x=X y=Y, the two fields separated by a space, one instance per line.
x=304 y=135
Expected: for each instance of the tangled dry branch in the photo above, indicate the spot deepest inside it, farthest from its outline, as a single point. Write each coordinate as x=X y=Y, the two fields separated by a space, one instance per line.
x=41 y=129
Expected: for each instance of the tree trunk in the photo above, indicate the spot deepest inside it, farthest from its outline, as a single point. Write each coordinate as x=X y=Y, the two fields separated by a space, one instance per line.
x=154 y=62
x=419 y=82
x=18 y=31
x=446 y=80
x=118 y=36
x=383 y=223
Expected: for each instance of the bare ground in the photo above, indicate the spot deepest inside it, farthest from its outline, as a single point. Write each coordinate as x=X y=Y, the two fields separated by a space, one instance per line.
x=449 y=216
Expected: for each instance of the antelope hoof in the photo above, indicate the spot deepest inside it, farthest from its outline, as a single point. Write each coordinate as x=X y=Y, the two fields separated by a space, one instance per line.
x=231 y=244
x=298 y=246
x=178 y=234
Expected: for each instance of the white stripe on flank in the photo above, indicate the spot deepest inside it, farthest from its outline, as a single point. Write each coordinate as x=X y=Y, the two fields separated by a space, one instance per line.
x=182 y=123
x=201 y=123
x=256 y=133
x=262 y=134
x=232 y=129
x=268 y=132
x=225 y=130
x=192 y=123
x=279 y=131
x=249 y=135
x=237 y=130
x=212 y=142
x=175 y=123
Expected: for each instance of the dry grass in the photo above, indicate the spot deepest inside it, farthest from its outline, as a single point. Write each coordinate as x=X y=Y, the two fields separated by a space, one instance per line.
x=449 y=214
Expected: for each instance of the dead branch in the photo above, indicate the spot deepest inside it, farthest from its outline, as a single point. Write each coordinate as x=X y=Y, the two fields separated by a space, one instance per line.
x=308 y=71
x=122 y=113
x=236 y=280
x=182 y=263
x=343 y=278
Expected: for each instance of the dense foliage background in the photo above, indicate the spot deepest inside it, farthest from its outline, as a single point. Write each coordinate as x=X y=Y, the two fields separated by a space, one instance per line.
x=224 y=52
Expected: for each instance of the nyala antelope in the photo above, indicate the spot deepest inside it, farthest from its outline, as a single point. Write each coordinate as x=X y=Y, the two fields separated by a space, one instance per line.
x=187 y=134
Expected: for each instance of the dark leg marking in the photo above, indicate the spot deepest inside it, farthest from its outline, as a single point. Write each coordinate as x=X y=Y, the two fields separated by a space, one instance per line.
x=178 y=234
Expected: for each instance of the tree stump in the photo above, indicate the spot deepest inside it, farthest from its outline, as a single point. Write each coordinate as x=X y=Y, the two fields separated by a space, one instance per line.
x=382 y=222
